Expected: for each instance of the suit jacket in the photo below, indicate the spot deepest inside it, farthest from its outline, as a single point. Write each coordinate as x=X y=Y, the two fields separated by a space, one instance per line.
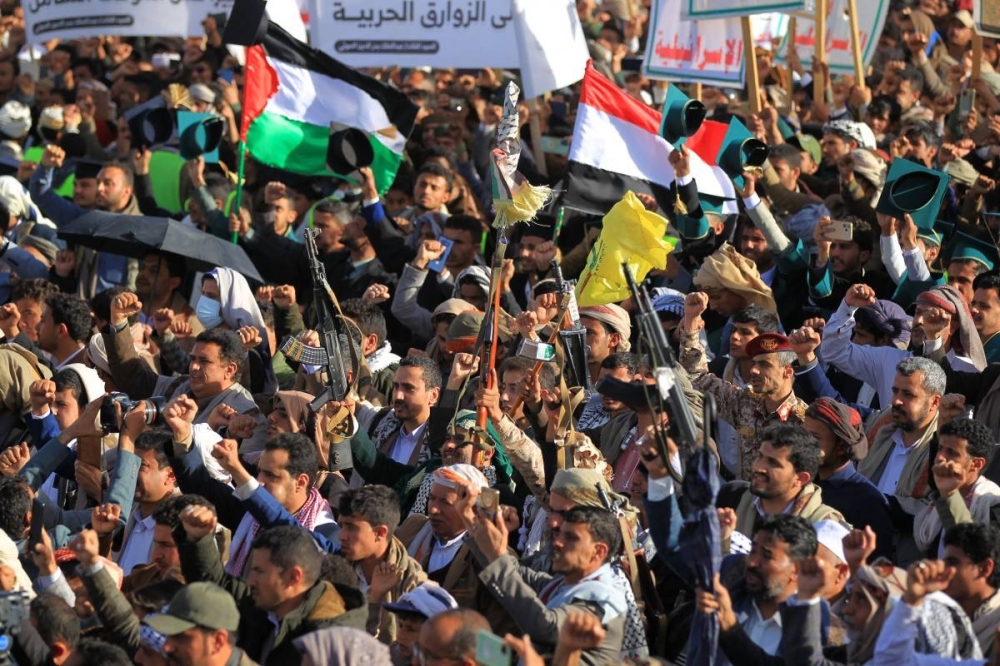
x=461 y=579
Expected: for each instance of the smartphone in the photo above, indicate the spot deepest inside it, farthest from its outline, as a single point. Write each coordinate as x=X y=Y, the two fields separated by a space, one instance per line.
x=555 y=146
x=966 y=103
x=226 y=75
x=841 y=231
x=488 y=502
x=632 y=64
x=438 y=264
x=37 y=523
x=491 y=650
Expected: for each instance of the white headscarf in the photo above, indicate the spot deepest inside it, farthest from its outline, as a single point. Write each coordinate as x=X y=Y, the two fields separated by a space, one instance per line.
x=93 y=385
x=19 y=202
x=239 y=307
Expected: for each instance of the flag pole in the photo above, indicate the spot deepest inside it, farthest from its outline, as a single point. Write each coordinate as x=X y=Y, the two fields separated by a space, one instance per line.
x=535 y=127
x=241 y=165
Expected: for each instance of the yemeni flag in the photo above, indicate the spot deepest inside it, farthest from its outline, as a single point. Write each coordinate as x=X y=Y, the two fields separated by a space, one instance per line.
x=617 y=147
x=294 y=94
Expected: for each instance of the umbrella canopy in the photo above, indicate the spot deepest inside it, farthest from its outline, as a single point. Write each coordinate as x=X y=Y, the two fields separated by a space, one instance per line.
x=138 y=235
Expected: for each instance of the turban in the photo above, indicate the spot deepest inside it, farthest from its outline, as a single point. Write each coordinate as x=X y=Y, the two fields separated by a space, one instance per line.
x=948 y=299
x=728 y=269
x=844 y=422
x=613 y=316
x=886 y=318
x=443 y=476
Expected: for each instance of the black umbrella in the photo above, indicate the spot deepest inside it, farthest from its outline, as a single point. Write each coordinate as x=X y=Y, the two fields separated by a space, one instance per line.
x=138 y=235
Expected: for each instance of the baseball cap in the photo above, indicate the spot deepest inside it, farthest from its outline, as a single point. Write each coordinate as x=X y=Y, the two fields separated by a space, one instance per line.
x=427 y=599
x=203 y=605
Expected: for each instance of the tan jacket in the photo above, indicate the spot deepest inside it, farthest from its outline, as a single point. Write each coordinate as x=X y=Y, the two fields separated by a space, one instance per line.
x=382 y=623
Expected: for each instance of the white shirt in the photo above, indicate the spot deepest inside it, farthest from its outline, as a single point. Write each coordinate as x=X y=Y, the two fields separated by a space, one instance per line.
x=894 y=465
x=138 y=543
x=895 y=645
x=766 y=634
x=443 y=553
x=405 y=442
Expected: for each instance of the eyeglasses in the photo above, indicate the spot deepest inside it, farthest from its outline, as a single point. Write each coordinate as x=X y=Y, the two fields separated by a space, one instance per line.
x=424 y=658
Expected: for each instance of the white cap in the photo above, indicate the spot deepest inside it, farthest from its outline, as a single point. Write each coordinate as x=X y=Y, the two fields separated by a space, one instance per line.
x=15 y=119
x=831 y=534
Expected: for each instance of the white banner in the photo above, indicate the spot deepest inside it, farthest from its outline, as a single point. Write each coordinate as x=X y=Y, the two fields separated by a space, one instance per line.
x=703 y=9
x=769 y=30
x=416 y=33
x=694 y=51
x=46 y=19
x=986 y=14
x=871 y=19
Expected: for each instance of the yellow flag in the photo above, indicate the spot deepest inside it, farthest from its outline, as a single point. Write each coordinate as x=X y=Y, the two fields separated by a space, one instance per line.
x=631 y=235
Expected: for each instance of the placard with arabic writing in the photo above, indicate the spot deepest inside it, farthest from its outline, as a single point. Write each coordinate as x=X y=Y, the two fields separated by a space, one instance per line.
x=693 y=51
x=987 y=17
x=709 y=9
x=416 y=33
x=74 y=19
x=871 y=19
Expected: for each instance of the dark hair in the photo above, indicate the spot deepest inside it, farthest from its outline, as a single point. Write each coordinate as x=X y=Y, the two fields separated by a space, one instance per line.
x=156 y=441
x=621 y=360
x=93 y=652
x=367 y=316
x=863 y=235
x=337 y=570
x=153 y=597
x=987 y=281
x=74 y=312
x=168 y=514
x=463 y=641
x=55 y=620
x=218 y=187
x=338 y=209
x=431 y=370
x=267 y=313
x=15 y=503
x=979 y=542
x=792 y=530
x=547 y=377
x=466 y=223
x=923 y=131
x=175 y=265
x=914 y=76
x=69 y=380
x=302 y=455
x=230 y=346
x=604 y=527
x=516 y=364
x=291 y=546
x=101 y=303
x=764 y=320
x=127 y=174
x=434 y=169
x=35 y=290
x=978 y=438
x=884 y=105
x=805 y=451
x=375 y=504
x=787 y=153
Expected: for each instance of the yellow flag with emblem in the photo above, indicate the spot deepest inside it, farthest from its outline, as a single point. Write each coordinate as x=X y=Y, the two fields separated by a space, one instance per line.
x=632 y=235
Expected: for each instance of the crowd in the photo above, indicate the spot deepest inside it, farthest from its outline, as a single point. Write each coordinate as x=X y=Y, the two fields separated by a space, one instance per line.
x=172 y=490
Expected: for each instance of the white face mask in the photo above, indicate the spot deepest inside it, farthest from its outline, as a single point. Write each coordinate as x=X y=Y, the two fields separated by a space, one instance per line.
x=209 y=312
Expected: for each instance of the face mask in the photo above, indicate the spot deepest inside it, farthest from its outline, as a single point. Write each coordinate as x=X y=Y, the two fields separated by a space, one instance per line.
x=209 y=312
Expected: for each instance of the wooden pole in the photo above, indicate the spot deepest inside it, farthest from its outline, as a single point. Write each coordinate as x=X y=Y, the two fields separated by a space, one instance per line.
x=819 y=51
x=753 y=79
x=859 y=65
x=977 y=56
x=790 y=83
x=535 y=126
x=697 y=91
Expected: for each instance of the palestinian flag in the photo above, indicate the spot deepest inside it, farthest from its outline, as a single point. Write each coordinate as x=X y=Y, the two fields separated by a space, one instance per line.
x=295 y=93
x=617 y=147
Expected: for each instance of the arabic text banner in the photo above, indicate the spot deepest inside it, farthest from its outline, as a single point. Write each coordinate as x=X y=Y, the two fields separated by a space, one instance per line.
x=694 y=51
x=871 y=19
x=416 y=33
x=706 y=9
x=987 y=17
x=72 y=19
